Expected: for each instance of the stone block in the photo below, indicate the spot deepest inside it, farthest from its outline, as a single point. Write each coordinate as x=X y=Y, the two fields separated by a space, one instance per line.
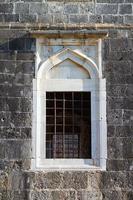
x=125 y=9
x=106 y=9
x=85 y=195
x=11 y=17
x=7 y=55
x=71 y=9
x=28 y=18
x=9 y=132
x=26 y=55
x=30 y=44
x=115 y=78
x=115 y=148
x=17 y=44
x=95 y=18
x=23 y=79
x=114 y=117
x=22 y=8
x=6 y=7
x=128 y=148
x=63 y=195
x=112 y=19
x=3 y=181
x=129 y=19
x=58 y=18
x=4 y=118
x=28 y=92
x=26 y=133
x=129 y=78
x=111 y=131
x=55 y=7
x=119 y=165
x=12 y=33
x=40 y=195
x=2 y=150
x=25 y=105
x=48 y=18
x=120 y=103
x=2 y=104
x=16 y=181
x=129 y=91
x=94 y=181
x=21 y=119
x=123 y=131
x=111 y=195
x=18 y=149
x=79 y=19
x=12 y=104
x=49 y=180
x=116 y=90
x=113 y=181
x=25 y=67
x=130 y=180
x=75 y=180
x=4 y=44
x=38 y=8
x=110 y=1
x=122 y=44
x=118 y=67
x=128 y=117
x=7 y=67
x=86 y=8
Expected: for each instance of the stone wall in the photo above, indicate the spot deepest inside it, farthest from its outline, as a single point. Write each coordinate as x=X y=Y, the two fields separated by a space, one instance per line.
x=67 y=11
x=17 y=66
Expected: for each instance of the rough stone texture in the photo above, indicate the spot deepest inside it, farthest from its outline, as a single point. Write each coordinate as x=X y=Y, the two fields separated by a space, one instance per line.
x=31 y=11
x=17 y=66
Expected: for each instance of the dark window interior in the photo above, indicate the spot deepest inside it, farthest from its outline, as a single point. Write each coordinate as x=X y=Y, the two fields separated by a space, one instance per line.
x=68 y=125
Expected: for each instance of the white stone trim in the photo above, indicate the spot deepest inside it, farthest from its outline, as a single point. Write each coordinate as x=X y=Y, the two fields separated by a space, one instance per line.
x=96 y=85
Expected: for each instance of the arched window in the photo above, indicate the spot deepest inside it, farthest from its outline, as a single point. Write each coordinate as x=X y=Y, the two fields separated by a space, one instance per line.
x=69 y=113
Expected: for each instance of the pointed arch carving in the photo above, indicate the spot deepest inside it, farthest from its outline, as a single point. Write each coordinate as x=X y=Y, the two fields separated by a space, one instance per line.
x=77 y=57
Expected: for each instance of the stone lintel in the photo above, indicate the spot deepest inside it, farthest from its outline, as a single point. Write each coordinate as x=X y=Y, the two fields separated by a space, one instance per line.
x=78 y=34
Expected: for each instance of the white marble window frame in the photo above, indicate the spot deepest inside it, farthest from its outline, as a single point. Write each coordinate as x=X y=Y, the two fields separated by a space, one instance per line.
x=96 y=85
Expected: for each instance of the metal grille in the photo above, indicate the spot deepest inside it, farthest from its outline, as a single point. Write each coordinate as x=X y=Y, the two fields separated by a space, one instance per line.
x=68 y=125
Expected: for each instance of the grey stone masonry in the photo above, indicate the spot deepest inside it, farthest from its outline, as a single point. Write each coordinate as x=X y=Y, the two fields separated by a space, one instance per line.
x=17 y=70
x=81 y=11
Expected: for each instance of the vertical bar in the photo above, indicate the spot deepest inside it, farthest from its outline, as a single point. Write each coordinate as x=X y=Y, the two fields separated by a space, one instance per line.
x=81 y=132
x=63 y=124
x=55 y=125
x=73 y=121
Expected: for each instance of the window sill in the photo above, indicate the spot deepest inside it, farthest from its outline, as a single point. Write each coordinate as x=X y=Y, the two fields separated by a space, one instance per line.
x=65 y=164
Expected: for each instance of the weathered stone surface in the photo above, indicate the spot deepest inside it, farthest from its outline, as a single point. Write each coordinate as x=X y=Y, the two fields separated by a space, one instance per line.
x=84 y=195
x=114 y=117
x=106 y=9
x=112 y=19
x=95 y=19
x=6 y=7
x=17 y=67
x=119 y=165
x=78 y=18
x=38 y=8
x=71 y=9
x=125 y=9
x=50 y=180
x=63 y=195
x=21 y=8
x=75 y=180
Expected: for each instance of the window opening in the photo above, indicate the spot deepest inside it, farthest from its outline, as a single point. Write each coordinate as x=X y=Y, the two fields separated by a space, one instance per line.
x=68 y=125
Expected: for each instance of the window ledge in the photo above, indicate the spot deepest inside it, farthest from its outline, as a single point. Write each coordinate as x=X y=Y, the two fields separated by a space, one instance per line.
x=66 y=164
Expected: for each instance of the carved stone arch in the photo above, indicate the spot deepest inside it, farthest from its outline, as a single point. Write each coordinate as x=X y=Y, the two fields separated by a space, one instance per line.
x=77 y=57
